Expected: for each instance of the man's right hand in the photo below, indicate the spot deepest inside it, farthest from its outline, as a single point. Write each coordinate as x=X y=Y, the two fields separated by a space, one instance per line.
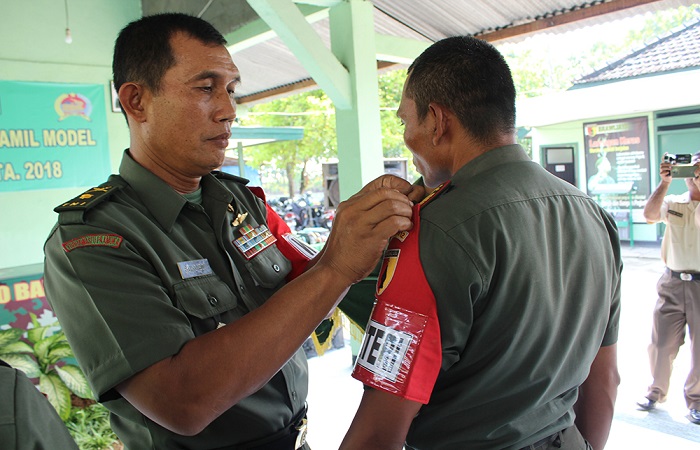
x=361 y=230
x=665 y=172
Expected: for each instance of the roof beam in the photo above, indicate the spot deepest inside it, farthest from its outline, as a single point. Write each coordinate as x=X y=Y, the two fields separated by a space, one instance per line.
x=562 y=19
x=292 y=88
x=398 y=50
x=323 y=3
x=259 y=31
x=288 y=22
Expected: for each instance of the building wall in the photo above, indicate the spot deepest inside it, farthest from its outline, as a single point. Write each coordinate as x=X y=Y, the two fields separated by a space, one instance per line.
x=34 y=49
x=659 y=122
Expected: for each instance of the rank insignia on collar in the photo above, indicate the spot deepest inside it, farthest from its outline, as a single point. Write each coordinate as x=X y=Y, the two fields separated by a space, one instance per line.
x=254 y=240
x=401 y=235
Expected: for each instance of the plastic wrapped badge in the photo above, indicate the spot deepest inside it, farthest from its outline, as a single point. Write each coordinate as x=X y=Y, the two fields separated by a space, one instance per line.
x=389 y=348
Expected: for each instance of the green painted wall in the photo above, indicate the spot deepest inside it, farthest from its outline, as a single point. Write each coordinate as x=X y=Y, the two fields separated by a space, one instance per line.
x=34 y=49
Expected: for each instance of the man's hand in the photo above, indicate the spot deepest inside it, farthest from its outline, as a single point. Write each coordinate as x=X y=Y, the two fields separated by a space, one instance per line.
x=362 y=227
x=414 y=192
x=665 y=172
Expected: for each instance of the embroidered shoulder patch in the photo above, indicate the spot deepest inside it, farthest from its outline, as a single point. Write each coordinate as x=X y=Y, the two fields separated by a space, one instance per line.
x=93 y=240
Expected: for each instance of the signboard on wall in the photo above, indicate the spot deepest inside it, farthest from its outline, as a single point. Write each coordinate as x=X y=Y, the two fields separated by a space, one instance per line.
x=52 y=135
x=617 y=161
x=20 y=296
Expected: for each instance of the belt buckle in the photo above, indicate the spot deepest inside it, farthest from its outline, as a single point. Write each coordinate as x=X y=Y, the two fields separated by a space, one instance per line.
x=686 y=276
x=301 y=434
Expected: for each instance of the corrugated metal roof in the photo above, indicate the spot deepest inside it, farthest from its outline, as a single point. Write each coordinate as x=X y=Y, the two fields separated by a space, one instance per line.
x=677 y=51
x=269 y=68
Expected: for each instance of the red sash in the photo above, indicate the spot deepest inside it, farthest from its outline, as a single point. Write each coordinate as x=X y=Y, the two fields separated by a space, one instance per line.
x=280 y=230
x=401 y=352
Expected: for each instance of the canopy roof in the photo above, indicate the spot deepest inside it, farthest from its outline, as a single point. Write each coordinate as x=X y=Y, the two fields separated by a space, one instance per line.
x=403 y=28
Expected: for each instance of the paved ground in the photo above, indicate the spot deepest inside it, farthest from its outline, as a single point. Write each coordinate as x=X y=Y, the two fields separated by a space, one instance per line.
x=334 y=395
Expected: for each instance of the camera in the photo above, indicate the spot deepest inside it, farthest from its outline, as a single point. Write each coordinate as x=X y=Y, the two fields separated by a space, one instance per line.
x=677 y=159
x=683 y=171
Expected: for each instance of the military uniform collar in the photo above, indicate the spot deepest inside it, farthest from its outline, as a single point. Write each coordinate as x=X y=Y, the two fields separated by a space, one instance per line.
x=490 y=160
x=159 y=198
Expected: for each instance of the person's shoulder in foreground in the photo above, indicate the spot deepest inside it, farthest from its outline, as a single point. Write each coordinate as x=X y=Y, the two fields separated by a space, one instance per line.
x=27 y=419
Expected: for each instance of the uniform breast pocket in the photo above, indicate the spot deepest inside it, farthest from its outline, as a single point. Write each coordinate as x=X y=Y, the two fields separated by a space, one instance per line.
x=204 y=297
x=269 y=267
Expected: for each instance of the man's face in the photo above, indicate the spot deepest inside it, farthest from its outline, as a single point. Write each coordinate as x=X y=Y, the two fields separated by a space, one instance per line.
x=188 y=121
x=418 y=136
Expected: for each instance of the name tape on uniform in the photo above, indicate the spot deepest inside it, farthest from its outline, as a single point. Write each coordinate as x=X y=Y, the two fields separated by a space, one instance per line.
x=196 y=268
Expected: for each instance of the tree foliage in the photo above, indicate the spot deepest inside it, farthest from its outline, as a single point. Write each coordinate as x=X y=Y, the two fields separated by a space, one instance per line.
x=540 y=65
x=314 y=112
x=311 y=110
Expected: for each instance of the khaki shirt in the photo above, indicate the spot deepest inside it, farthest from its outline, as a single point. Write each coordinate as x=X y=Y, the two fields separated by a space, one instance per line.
x=680 y=247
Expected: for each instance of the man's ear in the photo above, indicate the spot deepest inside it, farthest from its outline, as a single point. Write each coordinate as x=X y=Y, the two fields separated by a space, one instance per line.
x=131 y=98
x=441 y=121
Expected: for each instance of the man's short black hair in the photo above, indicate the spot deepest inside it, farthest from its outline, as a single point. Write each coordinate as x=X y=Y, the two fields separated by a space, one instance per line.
x=469 y=77
x=142 y=52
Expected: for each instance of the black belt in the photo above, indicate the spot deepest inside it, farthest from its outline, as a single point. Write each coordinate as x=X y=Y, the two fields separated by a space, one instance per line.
x=292 y=437
x=544 y=441
x=686 y=276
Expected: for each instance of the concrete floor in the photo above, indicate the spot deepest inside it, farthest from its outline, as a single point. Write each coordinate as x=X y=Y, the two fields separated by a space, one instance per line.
x=334 y=395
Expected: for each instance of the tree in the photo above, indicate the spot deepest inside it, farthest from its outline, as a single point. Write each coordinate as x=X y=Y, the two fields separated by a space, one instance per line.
x=311 y=110
x=315 y=113
x=542 y=64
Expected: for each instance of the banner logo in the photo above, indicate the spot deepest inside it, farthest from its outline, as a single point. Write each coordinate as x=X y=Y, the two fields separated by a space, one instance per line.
x=68 y=105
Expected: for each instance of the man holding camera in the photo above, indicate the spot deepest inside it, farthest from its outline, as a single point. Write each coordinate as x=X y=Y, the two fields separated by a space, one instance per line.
x=678 y=287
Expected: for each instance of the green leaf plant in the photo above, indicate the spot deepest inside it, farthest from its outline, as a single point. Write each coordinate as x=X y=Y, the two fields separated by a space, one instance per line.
x=46 y=355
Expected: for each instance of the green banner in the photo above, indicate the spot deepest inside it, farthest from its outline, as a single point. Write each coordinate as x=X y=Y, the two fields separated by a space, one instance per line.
x=52 y=135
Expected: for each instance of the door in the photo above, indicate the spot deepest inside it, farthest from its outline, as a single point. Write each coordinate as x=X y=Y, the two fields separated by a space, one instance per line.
x=560 y=162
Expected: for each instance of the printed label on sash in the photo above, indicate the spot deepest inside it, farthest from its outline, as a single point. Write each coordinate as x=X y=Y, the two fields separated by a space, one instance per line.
x=196 y=268
x=384 y=350
x=386 y=273
x=391 y=341
x=254 y=240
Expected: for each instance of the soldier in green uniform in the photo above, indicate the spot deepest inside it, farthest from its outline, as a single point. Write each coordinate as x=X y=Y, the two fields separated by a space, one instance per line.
x=27 y=419
x=179 y=291
x=524 y=271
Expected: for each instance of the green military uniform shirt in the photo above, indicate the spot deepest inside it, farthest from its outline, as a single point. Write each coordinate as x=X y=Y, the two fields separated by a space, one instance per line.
x=134 y=271
x=27 y=419
x=525 y=269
